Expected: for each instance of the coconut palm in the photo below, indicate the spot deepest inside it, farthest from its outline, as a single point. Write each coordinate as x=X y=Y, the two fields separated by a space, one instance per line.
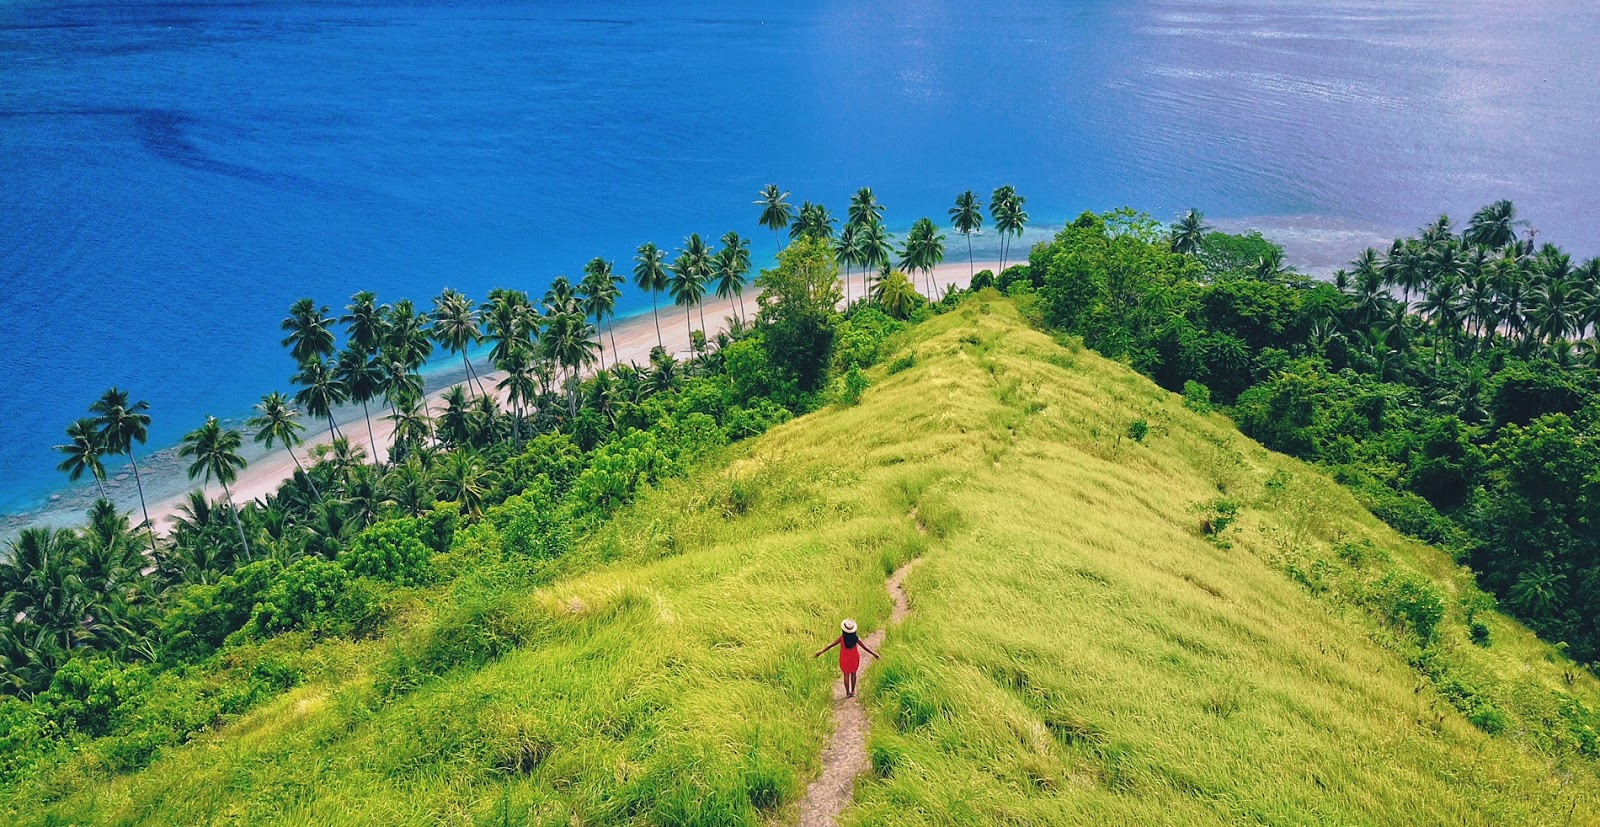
x=731 y=267
x=215 y=451
x=120 y=424
x=310 y=331
x=510 y=322
x=464 y=479
x=690 y=272
x=362 y=378
x=847 y=251
x=456 y=327
x=364 y=322
x=600 y=291
x=876 y=250
x=650 y=274
x=967 y=217
x=923 y=251
x=1495 y=226
x=776 y=211
x=1005 y=208
x=321 y=391
x=276 y=421
x=814 y=221
x=865 y=208
x=567 y=343
x=405 y=335
x=520 y=385
x=83 y=451
x=1189 y=233
x=895 y=294
x=413 y=429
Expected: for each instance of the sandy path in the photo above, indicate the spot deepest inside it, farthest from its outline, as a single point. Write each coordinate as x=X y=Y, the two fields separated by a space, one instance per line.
x=635 y=336
x=845 y=758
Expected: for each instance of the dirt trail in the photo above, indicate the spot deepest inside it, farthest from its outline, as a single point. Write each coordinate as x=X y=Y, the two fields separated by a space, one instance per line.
x=846 y=754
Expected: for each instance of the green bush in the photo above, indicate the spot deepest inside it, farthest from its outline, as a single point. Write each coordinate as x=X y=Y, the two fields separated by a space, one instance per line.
x=1138 y=430
x=391 y=551
x=1197 y=397
x=618 y=470
x=1409 y=603
x=532 y=525
x=754 y=420
x=203 y=617
x=320 y=596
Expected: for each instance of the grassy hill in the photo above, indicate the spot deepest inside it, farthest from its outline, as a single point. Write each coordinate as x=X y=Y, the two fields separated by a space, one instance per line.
x=1179 y=628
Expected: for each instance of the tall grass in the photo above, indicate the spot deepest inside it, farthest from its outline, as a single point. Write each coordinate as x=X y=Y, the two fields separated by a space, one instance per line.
x=1079 y=651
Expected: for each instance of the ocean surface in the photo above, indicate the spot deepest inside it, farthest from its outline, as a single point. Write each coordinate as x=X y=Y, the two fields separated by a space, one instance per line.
x=174 y=175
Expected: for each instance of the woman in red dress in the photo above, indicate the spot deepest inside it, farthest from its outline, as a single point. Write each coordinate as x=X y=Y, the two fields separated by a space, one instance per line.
x=849 y=658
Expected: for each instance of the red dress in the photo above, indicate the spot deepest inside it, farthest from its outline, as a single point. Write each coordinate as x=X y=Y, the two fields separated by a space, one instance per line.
x=849 y=658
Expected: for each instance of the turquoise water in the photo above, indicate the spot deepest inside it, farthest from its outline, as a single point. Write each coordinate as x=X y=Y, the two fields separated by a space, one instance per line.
x=172 y=176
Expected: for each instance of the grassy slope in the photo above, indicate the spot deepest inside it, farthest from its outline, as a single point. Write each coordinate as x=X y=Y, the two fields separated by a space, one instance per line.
x=1077 y=653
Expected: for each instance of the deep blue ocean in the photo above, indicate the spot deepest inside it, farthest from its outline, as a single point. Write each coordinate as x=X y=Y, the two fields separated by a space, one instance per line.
x=173 y=176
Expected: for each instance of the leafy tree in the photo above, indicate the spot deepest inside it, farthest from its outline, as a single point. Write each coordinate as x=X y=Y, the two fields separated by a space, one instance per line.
x=797 y=301
x=732 y=268
x=310 y=331
x=1189 y=234
x=924 y=250
x=456 y=327
x=321 y=391
x=278 y=422
x=1005 y=209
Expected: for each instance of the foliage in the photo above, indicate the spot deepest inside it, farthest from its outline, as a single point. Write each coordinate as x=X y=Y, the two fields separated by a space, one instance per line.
x=391 y=551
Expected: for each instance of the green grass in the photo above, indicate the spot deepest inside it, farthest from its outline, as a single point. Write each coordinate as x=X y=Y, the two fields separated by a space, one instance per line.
x=1081 y=650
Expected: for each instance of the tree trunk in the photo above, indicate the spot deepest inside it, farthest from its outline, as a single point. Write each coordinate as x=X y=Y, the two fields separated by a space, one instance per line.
x=370 y=437
x=611 y=330
x=472 y=375
x=237 y=523
x=688 y=325
x=314 y=491
x=972 y=265
x=100 y=485
x=150 y=527
x=655 y=311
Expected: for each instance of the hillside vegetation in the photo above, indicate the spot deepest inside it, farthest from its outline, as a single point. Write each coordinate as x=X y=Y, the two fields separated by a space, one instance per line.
x=1126 y=612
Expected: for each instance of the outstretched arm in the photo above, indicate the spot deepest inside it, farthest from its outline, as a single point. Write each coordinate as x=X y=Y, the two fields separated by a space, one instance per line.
x=835 y=642
x=863 y=644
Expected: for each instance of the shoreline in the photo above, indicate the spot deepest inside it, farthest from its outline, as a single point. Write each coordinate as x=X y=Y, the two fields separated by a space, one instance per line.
x=167 y=486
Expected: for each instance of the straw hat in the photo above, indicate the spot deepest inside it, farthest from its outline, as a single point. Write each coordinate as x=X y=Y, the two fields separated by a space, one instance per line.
x=848 y=625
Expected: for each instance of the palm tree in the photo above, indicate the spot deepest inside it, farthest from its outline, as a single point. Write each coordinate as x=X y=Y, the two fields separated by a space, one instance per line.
x=650 y=273
x=122 y=423
x=364 y=322
x=847 y=251
x=1494 y=226
x=567 y=343
x=413 y=429
x=1554 y=308
x=895 y=294
x=215 y=451
x=967 y=217
x=310 y=331
x=463 y=479
x=731 y=266
x=83 y=451
x=924 y=250
x=1189 y=233
x=277 y=421
x=690 y=271
x=321 y=391
x=520 y=385
x=814 y=221
x=358 y=371
x=776 y=212
x=406 y=335
x=876 y=251
x=601 y=292
x=865 y=208
x=1005 y=207
x=455 y=326
x=511 y=322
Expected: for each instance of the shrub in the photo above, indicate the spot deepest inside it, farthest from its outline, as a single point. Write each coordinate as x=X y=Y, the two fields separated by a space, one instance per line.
x=205 y=615
x=1409 y=603
x=1215 y=517
x=317 y=595
x=1138 y=430
x=533 y=525
x=390 y=551
x=982 y=279
x=855 y=384
x=1480 y=632
x=756 y=419
x=904 y=362
x=1196 y=397
x=619 y=469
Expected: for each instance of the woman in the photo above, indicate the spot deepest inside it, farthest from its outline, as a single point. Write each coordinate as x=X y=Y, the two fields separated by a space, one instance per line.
x=849 y=658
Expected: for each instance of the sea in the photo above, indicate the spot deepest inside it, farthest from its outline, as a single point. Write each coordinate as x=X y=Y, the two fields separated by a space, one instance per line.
x=174 y=175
